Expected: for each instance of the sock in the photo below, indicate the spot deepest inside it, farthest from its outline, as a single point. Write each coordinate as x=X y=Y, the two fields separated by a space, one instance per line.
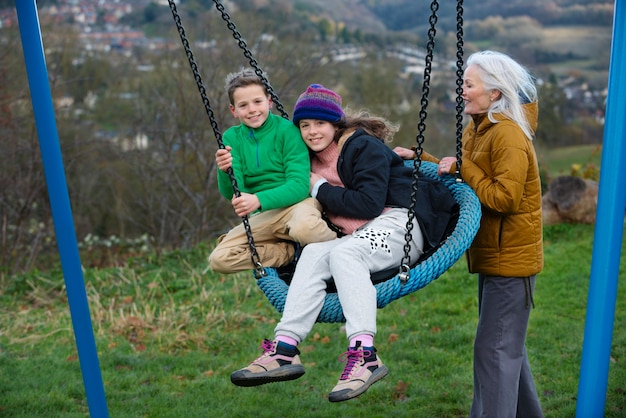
x=366 y=340
x=287 y=340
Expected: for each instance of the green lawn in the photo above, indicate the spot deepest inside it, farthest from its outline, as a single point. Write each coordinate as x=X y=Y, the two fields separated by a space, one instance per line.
x=559 y=161
x=169 y=332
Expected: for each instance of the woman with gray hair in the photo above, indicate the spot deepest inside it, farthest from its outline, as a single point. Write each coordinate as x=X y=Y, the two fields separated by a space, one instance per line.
x=500 y=164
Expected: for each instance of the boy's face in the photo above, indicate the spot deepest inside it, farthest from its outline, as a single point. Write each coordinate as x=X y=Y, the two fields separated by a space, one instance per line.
x=251 y=105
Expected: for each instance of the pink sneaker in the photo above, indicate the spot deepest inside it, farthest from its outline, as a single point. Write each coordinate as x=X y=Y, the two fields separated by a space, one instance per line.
x=363 y=369
x=278 y=363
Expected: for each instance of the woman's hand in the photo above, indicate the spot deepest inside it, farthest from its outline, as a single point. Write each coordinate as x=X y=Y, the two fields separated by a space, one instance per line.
x=224 y=158
x=447 y=165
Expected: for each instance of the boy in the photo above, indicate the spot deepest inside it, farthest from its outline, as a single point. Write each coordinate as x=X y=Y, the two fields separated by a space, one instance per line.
x=272 y=167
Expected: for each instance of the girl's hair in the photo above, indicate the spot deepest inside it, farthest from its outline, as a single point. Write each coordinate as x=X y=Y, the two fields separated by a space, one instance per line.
x=500 y=72
x=375 y=126
x=243 y=78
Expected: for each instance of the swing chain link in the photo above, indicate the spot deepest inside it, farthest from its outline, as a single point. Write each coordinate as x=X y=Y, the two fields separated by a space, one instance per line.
x=459 y=89
x=421 y=127
x=256 y=261
x=248 y=54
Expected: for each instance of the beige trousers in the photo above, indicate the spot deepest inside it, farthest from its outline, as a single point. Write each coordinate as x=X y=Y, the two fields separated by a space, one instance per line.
x=274 y=233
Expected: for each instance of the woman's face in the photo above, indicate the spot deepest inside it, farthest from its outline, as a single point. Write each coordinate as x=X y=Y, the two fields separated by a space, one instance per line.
x=477 y=98
x=317 y=134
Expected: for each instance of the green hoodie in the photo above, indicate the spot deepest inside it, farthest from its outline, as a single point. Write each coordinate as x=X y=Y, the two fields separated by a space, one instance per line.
x=271 y=161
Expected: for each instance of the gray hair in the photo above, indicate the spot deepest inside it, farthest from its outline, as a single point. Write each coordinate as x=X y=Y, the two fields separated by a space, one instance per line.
x=500 y=72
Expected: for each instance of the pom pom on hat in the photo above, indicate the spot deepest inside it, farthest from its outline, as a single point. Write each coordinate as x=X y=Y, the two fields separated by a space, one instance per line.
x=320 y=103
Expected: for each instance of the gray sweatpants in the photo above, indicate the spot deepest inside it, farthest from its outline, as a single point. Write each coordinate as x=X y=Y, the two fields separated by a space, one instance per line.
x=503 y=382
x=377 y=245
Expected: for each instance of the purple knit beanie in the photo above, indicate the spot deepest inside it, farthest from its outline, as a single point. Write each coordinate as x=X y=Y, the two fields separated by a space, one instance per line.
x=320 y=103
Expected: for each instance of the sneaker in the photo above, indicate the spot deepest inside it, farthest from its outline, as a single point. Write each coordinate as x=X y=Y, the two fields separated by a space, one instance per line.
x=277 y=363
x=363 y=369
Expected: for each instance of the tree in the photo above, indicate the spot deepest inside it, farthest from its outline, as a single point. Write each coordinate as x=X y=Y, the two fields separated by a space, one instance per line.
x=24 y=212
x=552 y=123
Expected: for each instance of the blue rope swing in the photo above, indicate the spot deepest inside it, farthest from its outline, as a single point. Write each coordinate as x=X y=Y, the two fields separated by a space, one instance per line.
x=448 y=253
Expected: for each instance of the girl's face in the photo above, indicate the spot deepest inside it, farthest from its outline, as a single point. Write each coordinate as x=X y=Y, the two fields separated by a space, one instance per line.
x=317 y=134
x=477 y=98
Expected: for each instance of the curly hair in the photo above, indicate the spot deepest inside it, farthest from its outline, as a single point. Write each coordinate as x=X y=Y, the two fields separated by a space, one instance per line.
x=375 y=126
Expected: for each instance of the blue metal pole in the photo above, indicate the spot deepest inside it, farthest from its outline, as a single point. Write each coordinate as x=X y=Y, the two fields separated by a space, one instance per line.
x=607 y=245
x=41 y=97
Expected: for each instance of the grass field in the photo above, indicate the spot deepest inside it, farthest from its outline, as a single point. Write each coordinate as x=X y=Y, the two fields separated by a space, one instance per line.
x=559 y=161
x=169 y=332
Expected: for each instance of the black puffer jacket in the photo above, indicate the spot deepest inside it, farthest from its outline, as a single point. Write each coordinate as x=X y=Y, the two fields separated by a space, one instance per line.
x=375 y=177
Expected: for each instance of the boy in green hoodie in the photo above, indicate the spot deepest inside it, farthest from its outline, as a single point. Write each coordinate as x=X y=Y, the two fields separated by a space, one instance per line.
x=272 y=166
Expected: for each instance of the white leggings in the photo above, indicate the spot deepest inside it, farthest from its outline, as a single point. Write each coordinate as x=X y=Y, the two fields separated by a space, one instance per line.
x=378 y=245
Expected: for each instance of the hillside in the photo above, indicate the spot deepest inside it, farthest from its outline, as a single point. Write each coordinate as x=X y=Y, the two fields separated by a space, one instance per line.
x=354 y=13
x=409 y=15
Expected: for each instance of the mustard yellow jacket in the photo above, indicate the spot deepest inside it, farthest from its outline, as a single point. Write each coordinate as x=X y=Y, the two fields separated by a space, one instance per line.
x=500 y=164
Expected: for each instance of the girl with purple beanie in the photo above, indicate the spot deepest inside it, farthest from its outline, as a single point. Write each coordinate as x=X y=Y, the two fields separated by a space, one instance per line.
x=365 y=189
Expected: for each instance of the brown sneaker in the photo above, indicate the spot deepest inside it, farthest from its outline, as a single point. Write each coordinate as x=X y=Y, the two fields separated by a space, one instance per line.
x=363 y=369
x=278 y=363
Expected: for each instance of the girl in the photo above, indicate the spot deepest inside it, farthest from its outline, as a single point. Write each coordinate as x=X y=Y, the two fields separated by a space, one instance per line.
x=365 y=189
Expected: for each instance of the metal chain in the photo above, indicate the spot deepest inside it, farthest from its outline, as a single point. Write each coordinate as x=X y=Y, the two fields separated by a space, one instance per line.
x=256 y=261
x=421 y=127
x=248 y=54
x=459 y=89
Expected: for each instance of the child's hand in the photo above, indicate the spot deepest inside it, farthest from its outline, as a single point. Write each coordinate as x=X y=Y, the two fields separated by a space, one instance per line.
x=314 y=178
x=404 y=153
x=447 y=165
x=245 y=204
x=224 y=158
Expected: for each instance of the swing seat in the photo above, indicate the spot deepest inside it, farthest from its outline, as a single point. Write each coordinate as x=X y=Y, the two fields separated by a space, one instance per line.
x=427 y=270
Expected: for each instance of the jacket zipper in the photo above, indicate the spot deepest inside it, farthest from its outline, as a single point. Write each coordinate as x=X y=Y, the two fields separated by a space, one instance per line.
x=258 y=162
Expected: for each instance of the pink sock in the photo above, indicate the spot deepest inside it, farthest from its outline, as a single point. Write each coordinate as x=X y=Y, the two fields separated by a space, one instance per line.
x=366 y=340
x=287 y=340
